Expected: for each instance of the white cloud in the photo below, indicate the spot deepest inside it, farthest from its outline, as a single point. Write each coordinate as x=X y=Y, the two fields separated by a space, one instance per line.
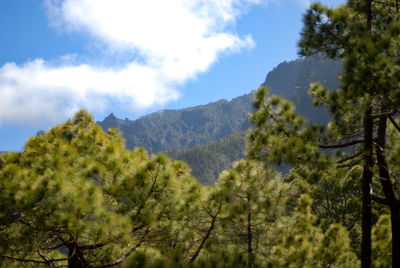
x=178 y=37
x=39 y=91
x=175 y=40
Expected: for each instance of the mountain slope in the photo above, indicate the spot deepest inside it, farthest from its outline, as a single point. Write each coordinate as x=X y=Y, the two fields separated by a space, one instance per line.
x=175 y=129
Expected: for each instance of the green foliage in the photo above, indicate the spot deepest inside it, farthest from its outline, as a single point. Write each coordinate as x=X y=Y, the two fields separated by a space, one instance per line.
x=77 y=188
x=283 y=137
x=370 y=59
x=302 y=244
x=382 y=242
x=280 y=135
x=336 y=196
x=76 y=197
x=255 y=198
x=365 y=34
x=200 y=135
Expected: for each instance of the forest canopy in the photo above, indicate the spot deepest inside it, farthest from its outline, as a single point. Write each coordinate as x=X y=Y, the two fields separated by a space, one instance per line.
x=76 y=197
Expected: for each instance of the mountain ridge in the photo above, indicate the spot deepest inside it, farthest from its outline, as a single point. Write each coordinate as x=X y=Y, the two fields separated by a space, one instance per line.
x=175 y=129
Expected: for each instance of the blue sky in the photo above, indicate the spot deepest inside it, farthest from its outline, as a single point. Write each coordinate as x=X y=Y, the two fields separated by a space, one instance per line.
x=134 y=57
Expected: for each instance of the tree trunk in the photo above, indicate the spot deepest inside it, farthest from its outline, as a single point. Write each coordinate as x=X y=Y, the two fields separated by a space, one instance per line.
x=366 y=188
x=388 y=189
x=395 y=220
x=249 y=238
x=203 y=241
x=367 y=173
x=75 y=258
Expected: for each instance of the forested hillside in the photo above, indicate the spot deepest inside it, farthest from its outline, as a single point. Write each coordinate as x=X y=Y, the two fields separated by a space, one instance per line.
x=208 y=160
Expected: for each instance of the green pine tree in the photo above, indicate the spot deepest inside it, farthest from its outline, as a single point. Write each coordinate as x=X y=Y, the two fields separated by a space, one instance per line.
x=365 y=34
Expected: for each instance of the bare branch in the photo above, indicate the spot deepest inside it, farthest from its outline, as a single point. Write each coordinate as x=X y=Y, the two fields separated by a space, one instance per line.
x=123 y=258
x=275 y=120
x=22 y=260
x=350 y=165
x=46 y=259
x=384 y=3
x=154 y=181
x=394 y=123
x=94 y=246
x=356 y=133
x=349 y=158
x=138 y=228
x=385 y=114
x=210 y=229
x=204 y=207
x=379 y=199
x=332 y=146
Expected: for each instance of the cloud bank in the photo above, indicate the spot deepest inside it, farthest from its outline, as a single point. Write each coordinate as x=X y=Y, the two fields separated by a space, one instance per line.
x=170 y=41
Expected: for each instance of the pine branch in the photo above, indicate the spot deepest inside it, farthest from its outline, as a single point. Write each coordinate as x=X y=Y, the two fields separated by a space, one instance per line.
x=94 y=246
x=210 y=229
x=275 y=120
x=394 y=123
x=352 y=164
x=349 y=158
x=385 y=114
x=46 y=259
x=385 y=3
x=32 y=260
x=332 y=146
x=379 y=199
x=123 y=258
x=22 y=260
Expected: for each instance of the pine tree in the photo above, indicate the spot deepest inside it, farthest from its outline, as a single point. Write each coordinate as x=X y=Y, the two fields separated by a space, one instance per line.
x=256 y=198
x=75 y=196
x=366 y=35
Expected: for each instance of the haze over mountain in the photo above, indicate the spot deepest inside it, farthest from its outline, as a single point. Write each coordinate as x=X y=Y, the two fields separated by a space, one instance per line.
x=194 y=134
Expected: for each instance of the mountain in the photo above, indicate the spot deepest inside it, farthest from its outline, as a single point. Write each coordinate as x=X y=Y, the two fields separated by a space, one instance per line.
x=176 y=129
x=202 y=135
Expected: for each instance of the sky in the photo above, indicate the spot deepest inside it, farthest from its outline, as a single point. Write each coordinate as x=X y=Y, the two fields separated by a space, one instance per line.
x=134 y=57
